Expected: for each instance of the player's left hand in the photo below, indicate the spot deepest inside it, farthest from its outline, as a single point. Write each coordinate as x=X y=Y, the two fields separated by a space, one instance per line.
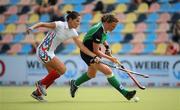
x=108 y=52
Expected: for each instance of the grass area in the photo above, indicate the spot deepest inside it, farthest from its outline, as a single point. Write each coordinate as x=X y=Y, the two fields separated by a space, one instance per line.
x=89 y=98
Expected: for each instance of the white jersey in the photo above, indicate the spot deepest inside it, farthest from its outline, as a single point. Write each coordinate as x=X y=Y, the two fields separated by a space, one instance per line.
x=61 y=33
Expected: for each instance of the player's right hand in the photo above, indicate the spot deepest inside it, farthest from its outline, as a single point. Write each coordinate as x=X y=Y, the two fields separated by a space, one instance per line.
x=96 y=59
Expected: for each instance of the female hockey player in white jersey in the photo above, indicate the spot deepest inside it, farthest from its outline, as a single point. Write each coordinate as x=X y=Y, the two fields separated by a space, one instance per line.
x=61 y=31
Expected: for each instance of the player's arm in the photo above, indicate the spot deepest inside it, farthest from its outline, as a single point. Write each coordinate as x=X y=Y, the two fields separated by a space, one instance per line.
x=107 y=47
x=99 y=53
x=106 y=44
x=97 y=37
x=50 y=25
x=82 y=47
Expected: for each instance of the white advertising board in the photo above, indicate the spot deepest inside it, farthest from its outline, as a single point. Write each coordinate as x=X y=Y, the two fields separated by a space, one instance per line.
x=163 y=70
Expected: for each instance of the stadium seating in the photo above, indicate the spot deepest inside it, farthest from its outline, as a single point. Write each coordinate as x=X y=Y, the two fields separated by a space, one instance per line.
x=7 y=38
x=154 y=8
x=137 y=48
x=2 y=20
x=142 y=8
x=44 y=18
x=150 y=38
x=142 y=29
x=149 y=48
x=66 y=8
x=116 y=47
x=29 y=38
x=18 y=38
x=86 y=18
x=12 y=19
x=120 y=8
x=22 y=19
x=138 y=38
x=34 y=18
x=25 y=2
x=2 y=27
x=69 y=48
x=160 y=49
x=21 y=28
x=115 y=37
x=126 y=48
x=15 y=49
x=10 y=28
x=14 y=2
x=11 y=10
x=26 y=49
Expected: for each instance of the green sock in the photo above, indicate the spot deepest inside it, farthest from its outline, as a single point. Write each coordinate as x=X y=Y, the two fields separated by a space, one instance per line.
x=114 y=82
x=82 y=79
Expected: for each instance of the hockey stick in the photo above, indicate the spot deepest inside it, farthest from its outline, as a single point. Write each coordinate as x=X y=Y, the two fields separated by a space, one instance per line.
x=121 y=67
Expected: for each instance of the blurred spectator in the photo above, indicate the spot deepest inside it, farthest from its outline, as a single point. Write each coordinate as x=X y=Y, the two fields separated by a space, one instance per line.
x=174 y=1
x=176 y=32
x=42 y=6
x=138 y=1
x=88 y=6
x=4 y=48
x=175 y=17
x=0 y=37
x=99 y=7
x=87 y=2
x=51 y=7
x=3 y=9
x=149 y=2
x=174 y=46
x=46 y=6
x=133 y=5
x=110 y=8
x=24 y=10
x=56 y=15
x=127 y=38
x=173 y=49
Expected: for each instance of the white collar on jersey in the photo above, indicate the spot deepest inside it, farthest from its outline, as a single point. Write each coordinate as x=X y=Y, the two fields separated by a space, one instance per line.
x=66 y=26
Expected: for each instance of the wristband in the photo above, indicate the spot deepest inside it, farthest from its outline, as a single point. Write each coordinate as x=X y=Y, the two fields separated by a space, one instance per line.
x=107 y=47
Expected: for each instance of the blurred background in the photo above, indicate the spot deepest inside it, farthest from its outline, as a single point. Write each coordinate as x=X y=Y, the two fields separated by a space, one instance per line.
x=146 y=40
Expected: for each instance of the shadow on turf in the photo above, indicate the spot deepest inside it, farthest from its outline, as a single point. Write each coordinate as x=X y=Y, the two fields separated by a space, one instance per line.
x=89 y=101
x=65 y=101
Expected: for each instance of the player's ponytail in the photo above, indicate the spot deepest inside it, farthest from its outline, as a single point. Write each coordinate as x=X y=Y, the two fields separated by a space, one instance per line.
x=72 y=15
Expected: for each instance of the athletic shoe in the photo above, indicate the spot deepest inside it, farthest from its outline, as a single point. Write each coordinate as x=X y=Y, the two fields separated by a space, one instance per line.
x=41 y=88
x=37 y=97
x=73 y=88
x=130 y=94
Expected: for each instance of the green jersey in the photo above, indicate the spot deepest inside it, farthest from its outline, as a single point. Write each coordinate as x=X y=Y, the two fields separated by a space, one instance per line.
x=96 y=34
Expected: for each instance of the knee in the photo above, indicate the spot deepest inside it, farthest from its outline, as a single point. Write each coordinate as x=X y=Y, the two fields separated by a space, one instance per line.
x=91 y=75
x=61 y=70
x=108 y=71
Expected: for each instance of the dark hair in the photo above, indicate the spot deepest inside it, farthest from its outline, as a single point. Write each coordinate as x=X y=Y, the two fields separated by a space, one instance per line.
x=109 y=18
x=72 y=15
